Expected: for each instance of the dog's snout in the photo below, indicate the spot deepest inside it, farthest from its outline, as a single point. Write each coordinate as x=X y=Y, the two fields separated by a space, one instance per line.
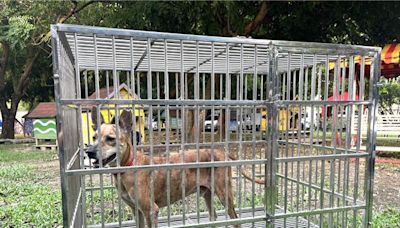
x=91 y=151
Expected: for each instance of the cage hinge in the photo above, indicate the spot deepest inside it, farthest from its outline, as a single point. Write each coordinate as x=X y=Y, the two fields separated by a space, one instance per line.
x=268 y=218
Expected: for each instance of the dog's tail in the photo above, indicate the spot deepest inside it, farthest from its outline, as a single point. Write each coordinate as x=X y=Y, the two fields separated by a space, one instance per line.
x=246 y=175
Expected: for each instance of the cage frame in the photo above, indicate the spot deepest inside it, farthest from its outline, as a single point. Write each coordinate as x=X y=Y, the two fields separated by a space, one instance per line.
x=272 y=103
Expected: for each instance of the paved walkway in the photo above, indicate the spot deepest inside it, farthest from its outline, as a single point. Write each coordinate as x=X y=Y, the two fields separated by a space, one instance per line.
x=384 y=148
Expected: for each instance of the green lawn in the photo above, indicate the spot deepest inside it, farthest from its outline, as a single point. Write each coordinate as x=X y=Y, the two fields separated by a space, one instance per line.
x=27 y=199
x=388 y=218
x=30 y=194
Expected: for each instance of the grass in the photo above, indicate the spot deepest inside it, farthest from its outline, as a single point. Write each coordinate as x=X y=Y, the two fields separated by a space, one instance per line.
x=392 y=167
x=387 y=219
x=24 y=153
x=26 y=200
x=388 y=142
x=390 y=139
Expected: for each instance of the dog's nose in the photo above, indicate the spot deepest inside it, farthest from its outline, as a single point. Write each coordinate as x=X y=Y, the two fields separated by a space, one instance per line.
x=91 y=151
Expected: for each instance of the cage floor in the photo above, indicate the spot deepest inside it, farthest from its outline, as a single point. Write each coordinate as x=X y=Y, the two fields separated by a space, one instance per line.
x=191 y=219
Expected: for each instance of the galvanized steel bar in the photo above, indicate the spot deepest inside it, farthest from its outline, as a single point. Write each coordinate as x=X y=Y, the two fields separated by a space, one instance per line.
x=240 y=139
x=361 y=77
x=333 y=139
x=196 y=114
x=58 y=72
x=212 y=132
x=253 y=148
x=150 y=97
x=134 y=124
x=227 y=122
x=98 y=114
x=183 y=133
x=166 y=166
x=167 y=110
x=271 y=167
x=116 y=86
x=79 y=121
x=221 y=103
x=370 y=166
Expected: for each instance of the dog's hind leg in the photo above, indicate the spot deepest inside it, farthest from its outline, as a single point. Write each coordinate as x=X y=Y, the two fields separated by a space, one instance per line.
x=207 y=197
x=220 y=191
x=231 y=207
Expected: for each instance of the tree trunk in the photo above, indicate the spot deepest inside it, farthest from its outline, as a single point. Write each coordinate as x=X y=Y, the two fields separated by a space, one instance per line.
x=258 y=19
x=19 y=89
x=189 y=126
x=221 y=120
x=8 y=131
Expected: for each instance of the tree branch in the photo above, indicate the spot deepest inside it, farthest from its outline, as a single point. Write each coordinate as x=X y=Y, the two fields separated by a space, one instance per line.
x=74 y=10
x=258 y=19
x=25 y=74
x=3 y=64
x=224 y=22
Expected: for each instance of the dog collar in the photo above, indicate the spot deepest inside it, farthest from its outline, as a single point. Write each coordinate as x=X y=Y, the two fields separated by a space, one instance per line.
x=130 y=163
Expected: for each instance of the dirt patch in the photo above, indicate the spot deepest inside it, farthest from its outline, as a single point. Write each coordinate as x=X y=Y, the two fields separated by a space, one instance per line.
x=386 y=187
x=49 y=172
x=386 y=184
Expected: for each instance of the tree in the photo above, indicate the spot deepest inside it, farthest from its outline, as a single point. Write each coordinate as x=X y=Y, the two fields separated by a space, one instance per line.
x=333 y=22
x=389 y=94
x=24 y=27
x=24 y=35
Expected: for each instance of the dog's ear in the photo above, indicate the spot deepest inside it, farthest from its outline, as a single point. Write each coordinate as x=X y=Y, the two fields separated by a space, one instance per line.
x=125 y=121
x=94 y=118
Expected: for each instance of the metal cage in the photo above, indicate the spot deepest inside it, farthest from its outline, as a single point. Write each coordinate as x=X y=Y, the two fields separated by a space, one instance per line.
x=289 y=112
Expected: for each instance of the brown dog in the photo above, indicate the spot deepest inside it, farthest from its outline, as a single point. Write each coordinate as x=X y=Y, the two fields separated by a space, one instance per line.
x=109 y=149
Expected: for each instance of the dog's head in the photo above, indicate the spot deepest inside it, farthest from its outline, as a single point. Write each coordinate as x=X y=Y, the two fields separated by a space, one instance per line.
x=105 y=146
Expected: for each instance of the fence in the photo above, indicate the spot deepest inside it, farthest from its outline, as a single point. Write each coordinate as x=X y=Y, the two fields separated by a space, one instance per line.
x=189 y=77
x=386 y=124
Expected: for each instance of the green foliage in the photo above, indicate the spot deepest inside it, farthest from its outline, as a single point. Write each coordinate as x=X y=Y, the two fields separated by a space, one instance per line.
x=23 y=204
x=387 y=219
x=26 y=198
x=19 y=32
x=22 y=25
x=16 y=172
x=389 y=94
x=333 y=22
x=303 y=21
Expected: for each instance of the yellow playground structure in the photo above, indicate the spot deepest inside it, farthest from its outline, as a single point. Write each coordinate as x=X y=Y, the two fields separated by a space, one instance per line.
x=288 y=120
x=108 y=112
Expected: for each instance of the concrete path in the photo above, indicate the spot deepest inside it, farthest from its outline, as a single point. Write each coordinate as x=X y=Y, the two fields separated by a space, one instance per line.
x=384 y=148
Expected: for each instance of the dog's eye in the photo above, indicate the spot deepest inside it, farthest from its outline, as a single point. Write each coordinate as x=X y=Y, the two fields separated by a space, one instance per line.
x=94 y=138
x=110 y=139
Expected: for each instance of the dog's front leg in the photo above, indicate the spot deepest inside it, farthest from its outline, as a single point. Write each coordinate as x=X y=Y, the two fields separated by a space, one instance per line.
x=139 y=218
x=145 y=209
x=151 y=216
